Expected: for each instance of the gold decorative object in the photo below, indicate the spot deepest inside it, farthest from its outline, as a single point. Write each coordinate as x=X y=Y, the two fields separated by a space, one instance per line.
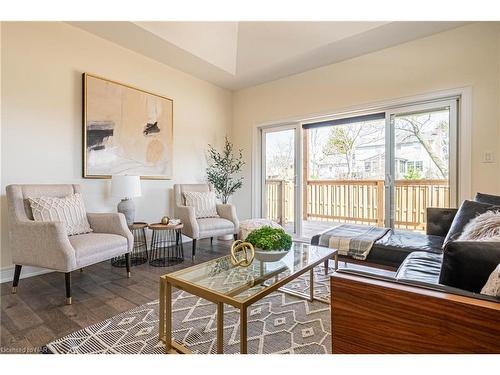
x=165 y=220
x=242 y=253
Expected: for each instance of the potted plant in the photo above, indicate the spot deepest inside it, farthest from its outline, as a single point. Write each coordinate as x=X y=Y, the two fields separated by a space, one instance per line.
x=223 y=170
x=271 y=244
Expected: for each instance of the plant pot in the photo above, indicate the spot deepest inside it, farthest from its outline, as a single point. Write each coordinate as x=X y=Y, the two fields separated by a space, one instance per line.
x=269 y=255
x=227 y=237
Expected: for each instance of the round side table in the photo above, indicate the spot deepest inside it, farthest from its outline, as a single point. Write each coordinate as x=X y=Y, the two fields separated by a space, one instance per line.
x=139 y=254
x=166 y=245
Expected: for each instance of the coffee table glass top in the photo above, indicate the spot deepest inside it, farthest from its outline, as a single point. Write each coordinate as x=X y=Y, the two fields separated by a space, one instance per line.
x=240 y=283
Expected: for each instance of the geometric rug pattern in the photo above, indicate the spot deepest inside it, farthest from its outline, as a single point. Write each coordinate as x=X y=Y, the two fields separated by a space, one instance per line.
x=279 y=323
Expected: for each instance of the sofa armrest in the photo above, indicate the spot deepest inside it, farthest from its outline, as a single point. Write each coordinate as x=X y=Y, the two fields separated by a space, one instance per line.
x=228 y=211
x=378 y=316
x=188 y=218
x=468 y=264
x=439 y=220
x=112 y=223
x=42 y=244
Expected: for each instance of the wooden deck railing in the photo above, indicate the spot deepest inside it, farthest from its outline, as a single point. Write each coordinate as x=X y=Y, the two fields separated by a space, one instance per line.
x=358 y=201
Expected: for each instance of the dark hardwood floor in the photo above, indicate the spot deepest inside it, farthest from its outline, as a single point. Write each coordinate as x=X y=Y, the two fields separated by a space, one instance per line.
x=37 y=314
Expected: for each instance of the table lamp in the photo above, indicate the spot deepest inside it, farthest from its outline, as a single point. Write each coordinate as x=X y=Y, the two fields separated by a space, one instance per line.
x=126 y=188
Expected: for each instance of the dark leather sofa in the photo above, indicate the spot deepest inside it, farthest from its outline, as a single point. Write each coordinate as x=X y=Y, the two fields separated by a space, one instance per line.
x=392 y=249
x=463 y=267
x=432 y=304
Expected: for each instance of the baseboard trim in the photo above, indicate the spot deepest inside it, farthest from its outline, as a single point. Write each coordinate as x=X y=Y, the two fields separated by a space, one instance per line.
x=7 y=273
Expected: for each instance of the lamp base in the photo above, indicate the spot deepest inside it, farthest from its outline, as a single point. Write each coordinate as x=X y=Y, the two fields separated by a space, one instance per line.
x=127 y=207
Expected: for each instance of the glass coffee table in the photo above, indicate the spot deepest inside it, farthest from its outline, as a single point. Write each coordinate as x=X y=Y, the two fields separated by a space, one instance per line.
x=221 y=282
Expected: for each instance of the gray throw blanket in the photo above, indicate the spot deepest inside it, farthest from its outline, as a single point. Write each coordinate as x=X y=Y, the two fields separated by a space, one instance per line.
x=352 y=240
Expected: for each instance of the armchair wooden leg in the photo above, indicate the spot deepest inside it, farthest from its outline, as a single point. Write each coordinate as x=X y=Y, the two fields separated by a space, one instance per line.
x=235 y=236
x=194 y=248
x=67 y=278
x=127 y=261
x=17 y=274
x=211 y=241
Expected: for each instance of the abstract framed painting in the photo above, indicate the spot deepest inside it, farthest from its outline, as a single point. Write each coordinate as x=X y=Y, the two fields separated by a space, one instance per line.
x=126 y=130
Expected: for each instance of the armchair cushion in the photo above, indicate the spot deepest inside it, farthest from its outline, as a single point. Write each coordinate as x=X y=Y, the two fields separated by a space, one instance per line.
x=92 y=248
x=210 y=227
x=204 y=203
x=70 y=210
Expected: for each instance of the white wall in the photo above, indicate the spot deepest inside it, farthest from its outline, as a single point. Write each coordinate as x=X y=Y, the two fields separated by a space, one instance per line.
x=466 y=56
x=41 y=70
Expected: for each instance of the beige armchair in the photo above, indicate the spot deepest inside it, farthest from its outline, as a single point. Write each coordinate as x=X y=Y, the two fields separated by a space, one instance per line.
x=226 y=223
x=46 y=244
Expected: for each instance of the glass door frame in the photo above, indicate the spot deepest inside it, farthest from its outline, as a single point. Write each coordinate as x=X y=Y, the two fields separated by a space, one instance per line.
x=390 y=131
x=457 y=187
x=297 y=127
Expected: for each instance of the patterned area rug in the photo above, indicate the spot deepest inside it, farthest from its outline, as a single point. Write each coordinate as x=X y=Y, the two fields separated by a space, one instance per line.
x=279 y=323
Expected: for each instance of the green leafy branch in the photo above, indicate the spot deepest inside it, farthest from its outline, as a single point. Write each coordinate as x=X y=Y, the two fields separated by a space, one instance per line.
x=223 y=168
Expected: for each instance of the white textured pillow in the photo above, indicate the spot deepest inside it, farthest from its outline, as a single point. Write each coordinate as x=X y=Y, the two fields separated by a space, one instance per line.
x=485 y=227
x=70 y=210
x=204 y=203
x=492 y=286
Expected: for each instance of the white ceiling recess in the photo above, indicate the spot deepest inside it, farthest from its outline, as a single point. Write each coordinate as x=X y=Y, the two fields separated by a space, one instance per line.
x=235 y=55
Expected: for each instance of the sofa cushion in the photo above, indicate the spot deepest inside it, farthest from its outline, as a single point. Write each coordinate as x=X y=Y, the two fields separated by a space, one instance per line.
x=395 y=246
x=420 y=266
x=468 y=264
x=487 y=198
x=467 y=211
x=91 y=248
x=485 y=227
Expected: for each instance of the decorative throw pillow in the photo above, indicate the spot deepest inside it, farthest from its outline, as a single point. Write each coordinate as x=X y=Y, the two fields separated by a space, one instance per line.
x=70 y=210
x=204 y=203
x=492 y=286
x=467 y=211
x=485 y=227
x=487 y=198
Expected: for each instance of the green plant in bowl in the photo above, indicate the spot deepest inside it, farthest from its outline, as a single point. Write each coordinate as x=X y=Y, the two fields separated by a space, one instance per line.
x=271 y=244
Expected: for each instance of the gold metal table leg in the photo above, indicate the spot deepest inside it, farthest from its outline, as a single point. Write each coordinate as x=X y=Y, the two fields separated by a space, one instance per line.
x=220 y=327
x=162 y=310
x=311 y=285
x=243 y=330
x=168 y=316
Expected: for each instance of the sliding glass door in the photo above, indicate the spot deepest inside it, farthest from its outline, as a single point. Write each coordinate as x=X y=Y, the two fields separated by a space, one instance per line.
x=344 y=169
x=384 y=169
x=423 y=169
x=279 y=164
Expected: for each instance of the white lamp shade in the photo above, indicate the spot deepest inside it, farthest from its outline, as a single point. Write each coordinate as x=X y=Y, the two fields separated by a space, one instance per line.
x=125 y=186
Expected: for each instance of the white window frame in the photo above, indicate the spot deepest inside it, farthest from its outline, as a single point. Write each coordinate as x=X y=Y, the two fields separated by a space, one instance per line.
x=463 y=143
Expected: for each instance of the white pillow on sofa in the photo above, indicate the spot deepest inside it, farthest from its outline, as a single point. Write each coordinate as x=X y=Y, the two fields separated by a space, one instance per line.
x=492 y=286
x=204 y=203
x=484 y=227
x=70 y=210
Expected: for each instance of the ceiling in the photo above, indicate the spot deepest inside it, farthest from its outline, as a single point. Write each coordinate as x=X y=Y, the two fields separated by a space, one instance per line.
x=236 y=55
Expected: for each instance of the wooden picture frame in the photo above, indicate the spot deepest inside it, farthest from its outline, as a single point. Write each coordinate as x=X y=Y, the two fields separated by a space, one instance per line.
x=126 y=130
